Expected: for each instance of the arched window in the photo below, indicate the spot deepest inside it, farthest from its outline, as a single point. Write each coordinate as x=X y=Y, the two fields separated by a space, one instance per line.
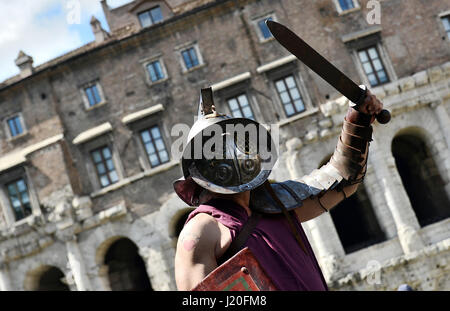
x=356 y=222
x=126 y=269
x=421 y=179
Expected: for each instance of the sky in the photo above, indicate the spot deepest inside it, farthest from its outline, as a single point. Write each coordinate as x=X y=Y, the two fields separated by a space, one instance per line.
x=45 y=29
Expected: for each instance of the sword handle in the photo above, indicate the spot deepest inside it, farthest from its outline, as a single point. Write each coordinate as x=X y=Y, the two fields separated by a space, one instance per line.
x=383 y=117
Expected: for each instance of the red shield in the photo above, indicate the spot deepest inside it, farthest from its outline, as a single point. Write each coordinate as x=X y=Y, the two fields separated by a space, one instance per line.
x=242 y=272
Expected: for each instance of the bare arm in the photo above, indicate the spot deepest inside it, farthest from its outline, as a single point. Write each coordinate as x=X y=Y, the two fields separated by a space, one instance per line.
x=199 y=244
x=317 y=205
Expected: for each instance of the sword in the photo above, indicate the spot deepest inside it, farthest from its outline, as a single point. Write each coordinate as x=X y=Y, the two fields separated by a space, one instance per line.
x=322 y=67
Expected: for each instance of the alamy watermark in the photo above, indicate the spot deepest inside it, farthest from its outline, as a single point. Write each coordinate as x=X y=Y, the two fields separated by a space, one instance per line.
x=373 y=17
x=73 y=13
x=221 y=141
x=373 y=272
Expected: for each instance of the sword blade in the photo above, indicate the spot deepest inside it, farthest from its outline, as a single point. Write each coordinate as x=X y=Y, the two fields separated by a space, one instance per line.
x=319 y=64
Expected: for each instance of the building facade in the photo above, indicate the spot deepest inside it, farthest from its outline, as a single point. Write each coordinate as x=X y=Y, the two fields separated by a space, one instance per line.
x=87 y=156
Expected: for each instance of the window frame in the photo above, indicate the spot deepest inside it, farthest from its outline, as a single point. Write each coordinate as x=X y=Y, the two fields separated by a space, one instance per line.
x=152 y=141
x=163 y=69
x=191 y=59
x=159 y=73
x=149 y=60
x=236 y=89
x=366 y=49
x=442 y=16
x=11 y=176
x=373 y=38
x=356 y=7
x=103 y=161
x=141 y=124
x=86 y=147
x=92 y=93
x=19 y=195
x=294 y=68
x=181 y=48
x=283 y=78
x=256 y=24
x=236 y=97
x=148 y=11
x=86 y=101
x=19 y=116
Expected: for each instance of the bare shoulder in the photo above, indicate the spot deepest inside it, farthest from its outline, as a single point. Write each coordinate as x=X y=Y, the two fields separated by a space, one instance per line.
x=203 y=233
x=200 y=225
x=198 y=248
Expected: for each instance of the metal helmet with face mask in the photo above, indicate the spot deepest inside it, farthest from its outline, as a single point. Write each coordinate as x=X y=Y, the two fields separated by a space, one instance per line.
x=224 y=154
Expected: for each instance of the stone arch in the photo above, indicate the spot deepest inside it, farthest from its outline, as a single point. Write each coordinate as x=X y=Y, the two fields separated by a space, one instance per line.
x=173 y=214
x=178 y=220
x=355 y=220
x=150 y=235
x=425 y=125
x=104 y=246
x=420 y=175
x=46 y=278
x=123 y=267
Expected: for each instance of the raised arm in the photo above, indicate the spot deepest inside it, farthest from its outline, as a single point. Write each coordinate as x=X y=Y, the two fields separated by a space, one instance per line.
x=340 y=177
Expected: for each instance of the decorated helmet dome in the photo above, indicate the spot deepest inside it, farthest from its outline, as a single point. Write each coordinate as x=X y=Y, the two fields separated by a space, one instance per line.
x=224 y=154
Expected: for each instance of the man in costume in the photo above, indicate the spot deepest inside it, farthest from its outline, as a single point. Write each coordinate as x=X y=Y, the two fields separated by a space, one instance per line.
x=226 y=177
x=230 y=192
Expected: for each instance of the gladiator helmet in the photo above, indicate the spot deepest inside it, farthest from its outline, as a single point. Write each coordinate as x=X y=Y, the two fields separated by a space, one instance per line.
x=223 y=154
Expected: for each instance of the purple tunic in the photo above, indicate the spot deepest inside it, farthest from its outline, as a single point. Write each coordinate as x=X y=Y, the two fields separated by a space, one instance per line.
x=273 y=245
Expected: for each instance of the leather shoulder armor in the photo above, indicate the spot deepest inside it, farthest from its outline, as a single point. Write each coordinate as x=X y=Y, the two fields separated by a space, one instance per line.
x=291 y=193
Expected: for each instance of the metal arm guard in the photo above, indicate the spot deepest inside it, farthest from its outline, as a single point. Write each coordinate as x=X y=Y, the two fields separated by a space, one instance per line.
x=347 y=166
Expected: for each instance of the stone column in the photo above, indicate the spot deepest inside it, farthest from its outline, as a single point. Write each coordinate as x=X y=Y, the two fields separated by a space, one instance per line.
x=396 y=197
x=443 y=119
x=380 y=208
x=158 y=271
x=5 y=280
x=77 y=265
x=444 y=124
x=101 y=277
x=330 y=251
x=328 y=247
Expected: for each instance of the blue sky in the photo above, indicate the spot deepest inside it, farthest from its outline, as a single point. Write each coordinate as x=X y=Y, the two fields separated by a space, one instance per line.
x=45 y=29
